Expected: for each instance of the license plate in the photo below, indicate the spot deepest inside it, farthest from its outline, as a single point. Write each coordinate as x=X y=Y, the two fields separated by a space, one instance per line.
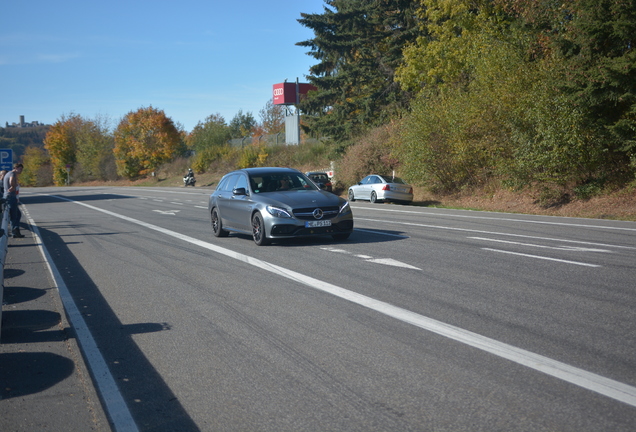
x=317 y=223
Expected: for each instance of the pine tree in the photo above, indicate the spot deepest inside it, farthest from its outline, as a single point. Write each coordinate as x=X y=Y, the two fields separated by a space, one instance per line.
x=591 y=46
x=358 y=44
x=600 y=54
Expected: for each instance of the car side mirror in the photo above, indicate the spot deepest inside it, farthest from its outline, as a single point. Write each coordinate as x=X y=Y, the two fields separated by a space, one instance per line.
x=239 y=191
x=322 y=186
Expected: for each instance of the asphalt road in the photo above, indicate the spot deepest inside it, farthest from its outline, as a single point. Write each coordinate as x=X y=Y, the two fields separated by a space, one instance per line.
x=424 y=320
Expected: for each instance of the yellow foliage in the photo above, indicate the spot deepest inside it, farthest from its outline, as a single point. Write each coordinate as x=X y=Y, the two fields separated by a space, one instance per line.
x=144 y=140
x=61 y=142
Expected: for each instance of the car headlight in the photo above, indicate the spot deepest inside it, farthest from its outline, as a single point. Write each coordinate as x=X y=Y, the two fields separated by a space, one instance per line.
x=344 y=208
x=278 y=212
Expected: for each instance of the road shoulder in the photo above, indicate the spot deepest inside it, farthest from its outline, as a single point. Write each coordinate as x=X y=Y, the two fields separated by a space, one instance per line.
x=44 y=381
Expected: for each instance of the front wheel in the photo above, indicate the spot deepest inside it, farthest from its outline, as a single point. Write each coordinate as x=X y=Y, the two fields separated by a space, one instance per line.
x=352 y=197
x=258 y=230
x=217 y=226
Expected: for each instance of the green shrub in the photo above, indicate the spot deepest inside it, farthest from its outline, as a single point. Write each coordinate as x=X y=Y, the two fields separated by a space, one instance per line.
x=372 y=154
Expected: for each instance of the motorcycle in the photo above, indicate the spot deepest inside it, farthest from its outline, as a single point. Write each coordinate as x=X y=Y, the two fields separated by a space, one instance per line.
x=189 y=181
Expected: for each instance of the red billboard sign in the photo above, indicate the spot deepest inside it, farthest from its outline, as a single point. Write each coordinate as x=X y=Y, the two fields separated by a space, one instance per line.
x=285 y=93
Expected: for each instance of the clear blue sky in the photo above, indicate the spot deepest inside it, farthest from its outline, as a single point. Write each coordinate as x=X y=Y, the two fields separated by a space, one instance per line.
x=189 y=58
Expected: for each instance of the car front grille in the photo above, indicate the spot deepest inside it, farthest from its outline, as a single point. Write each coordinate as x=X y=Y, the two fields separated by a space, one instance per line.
x=308 y=213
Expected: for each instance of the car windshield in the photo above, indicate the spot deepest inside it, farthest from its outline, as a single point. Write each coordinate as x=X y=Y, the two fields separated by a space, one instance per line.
x=319 y=177
x=280 y=181
x=390 y=179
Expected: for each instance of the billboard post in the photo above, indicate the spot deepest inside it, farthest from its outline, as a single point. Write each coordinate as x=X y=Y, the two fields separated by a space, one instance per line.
x=289 y=94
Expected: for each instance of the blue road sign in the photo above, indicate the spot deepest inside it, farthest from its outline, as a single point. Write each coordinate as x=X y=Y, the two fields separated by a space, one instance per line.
x=6 y=159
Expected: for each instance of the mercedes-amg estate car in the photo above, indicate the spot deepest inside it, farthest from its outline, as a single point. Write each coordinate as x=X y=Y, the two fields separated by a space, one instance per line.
x=277 y=203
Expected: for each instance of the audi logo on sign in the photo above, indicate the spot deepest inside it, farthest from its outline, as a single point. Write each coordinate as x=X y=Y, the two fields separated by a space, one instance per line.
x=279 y=91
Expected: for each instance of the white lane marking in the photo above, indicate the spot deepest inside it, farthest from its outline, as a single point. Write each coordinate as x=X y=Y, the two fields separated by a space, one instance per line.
x=167 y=212
x=206 y=192
x=542 y=257
x=497 y=219
x=367 y=258
x=582 y=378
x=177 y=203
x=381 y=233
x=392 y=262
x=441 y=227
x=114 y=403
x=565 y=248
x=200 y=207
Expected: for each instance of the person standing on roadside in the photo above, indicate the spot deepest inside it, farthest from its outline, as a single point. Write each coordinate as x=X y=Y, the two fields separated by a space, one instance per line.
x=11 y=191
x=2 y=174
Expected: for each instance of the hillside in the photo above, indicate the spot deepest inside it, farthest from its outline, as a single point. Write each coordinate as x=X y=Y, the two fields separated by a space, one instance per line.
x=18 y=139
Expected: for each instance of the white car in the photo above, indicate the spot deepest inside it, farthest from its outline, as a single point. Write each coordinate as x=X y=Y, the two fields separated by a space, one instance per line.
x=379 y=188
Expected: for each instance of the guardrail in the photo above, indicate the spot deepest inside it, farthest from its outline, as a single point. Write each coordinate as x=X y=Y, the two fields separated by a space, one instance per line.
x=4 y=243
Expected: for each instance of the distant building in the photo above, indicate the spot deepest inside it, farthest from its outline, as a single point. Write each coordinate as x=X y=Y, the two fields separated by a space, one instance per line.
x=23 y=124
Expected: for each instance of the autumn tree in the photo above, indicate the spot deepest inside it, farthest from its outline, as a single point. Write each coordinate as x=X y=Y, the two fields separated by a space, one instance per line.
x=145 y=139
x=61 y=142
x=95 y=160
x=272 y=118
x=208 y=140
x=81 y=147
x=36 y=163
x=589 y=47
x=213 y=132
x=453 y=37
x=528 y=92
x=242 y=124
